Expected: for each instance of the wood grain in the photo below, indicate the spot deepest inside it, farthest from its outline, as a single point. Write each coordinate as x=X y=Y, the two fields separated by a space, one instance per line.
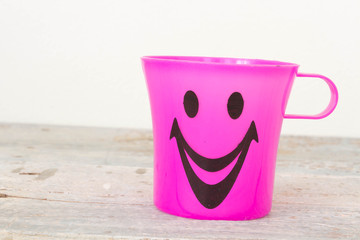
x=93 y=183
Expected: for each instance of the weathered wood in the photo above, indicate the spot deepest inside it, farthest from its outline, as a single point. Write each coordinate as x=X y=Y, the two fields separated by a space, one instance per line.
x=93 y=183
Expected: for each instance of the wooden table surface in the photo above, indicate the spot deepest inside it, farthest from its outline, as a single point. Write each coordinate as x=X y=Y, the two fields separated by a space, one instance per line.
x=96 y=183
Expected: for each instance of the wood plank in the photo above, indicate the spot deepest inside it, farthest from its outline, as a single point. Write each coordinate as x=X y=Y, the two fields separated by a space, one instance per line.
x=93 y=183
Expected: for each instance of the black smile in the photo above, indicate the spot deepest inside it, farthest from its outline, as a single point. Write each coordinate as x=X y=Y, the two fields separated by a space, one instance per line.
x=212 y=195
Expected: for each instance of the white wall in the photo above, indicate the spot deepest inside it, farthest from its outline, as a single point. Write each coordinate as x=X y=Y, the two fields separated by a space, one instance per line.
x=77 y=62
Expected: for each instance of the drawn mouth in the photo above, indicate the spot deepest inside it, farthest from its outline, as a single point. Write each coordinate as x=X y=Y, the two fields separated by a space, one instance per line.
x=212 y=195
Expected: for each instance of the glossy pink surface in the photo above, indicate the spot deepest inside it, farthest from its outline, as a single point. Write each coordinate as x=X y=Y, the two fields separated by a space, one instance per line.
x=265 y=87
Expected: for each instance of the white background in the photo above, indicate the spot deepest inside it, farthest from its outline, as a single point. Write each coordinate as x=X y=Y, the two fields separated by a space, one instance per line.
x=77 y=62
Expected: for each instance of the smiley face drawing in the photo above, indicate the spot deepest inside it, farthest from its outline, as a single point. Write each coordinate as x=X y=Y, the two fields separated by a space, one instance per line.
x=212 y=195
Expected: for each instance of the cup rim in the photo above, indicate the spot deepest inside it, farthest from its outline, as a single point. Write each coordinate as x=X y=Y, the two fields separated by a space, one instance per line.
x=219 y=61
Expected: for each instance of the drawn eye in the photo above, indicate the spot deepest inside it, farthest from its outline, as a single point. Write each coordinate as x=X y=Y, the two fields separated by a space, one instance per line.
x=235 y=105
x=191 y=104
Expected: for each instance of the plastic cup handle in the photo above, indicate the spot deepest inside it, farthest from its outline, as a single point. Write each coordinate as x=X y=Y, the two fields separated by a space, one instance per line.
x=331 y=106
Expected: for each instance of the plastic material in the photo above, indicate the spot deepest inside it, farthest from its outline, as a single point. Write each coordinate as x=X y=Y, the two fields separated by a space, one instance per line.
x=216 y=124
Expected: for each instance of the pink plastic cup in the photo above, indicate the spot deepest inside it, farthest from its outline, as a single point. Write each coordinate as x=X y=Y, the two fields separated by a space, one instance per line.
x=216 y=125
